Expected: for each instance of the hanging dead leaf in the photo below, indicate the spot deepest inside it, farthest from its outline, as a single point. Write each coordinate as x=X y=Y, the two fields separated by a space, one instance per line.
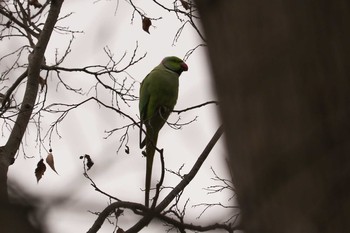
x=40 y=170
x=35 y=3
x=127 y=150
x=50 y=161
x=146 y=23
x=185 y=4
x=89 y=162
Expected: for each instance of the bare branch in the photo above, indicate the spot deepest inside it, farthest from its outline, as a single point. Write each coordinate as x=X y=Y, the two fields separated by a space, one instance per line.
x=109 y=209
x=196 y=106
x=13 y=19
x=149 y=214
x=6 y=98
x=32 y=85
x=31 y=91
x=181 y=186
x=160 y=183
x=94 y=185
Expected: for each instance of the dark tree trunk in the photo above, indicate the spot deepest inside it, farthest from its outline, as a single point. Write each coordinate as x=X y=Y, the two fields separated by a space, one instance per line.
x=282 y=68
x=13 y=217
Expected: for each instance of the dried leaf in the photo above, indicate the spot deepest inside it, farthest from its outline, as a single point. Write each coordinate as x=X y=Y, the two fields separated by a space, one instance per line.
x=127 y=150
x=35 y=3
x=50 y=162
x=146 y=23
x=89 y=162
x=185 y=4
x=40 y=170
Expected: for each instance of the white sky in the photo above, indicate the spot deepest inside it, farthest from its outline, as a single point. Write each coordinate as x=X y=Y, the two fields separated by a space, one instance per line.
x=83 y=130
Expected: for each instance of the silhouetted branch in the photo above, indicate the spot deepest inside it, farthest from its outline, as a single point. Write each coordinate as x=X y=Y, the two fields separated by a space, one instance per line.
x=181 y=186
x=6 y=98
x=196 y=106
x=93 y=184
x=35 y=61
x=149 y=214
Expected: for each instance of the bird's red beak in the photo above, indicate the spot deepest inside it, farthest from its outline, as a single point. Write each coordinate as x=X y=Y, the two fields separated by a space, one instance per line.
x=184 y=66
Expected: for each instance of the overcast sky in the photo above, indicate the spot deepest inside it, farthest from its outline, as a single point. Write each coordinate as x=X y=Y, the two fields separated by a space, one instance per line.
x=83 y=131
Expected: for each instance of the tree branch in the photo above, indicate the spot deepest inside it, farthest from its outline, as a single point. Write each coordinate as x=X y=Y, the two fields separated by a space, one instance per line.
x=149 y=214
x=196 y=106
x=19 y=23
x=109 y=209
x=35 y=61
x=6 y=98
x=181 y=186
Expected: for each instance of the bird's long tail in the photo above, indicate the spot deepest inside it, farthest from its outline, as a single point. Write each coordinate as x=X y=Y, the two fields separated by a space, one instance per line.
x=151 y=142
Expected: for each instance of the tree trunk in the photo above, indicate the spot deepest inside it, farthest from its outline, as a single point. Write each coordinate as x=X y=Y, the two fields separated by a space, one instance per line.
x=284 y=79
x=11 y=217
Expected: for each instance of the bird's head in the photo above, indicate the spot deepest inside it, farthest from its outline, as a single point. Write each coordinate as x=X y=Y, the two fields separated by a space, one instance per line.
x=175 y=64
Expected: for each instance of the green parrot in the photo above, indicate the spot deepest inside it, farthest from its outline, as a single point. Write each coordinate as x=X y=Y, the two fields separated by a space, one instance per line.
x=158 y=96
